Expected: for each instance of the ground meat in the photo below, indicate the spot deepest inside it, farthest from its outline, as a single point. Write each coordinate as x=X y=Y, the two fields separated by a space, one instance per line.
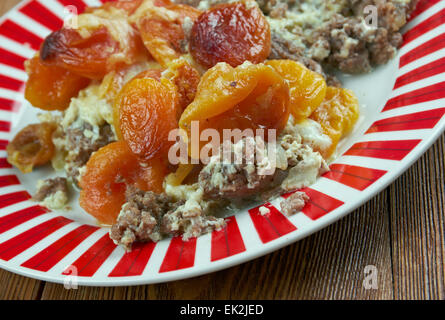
x=52 y=193
x=190 y=222
x=139 y=219
x=282 y=48
x=231 y=180
x=344 y=41
x=80 y=147
x=147 y=216
x=294 y=204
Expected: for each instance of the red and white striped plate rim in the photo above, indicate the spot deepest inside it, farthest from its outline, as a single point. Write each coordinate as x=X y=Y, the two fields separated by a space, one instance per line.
x=50 y=246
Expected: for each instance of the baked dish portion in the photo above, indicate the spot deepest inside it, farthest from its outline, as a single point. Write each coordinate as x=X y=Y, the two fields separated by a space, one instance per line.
x=150 y=105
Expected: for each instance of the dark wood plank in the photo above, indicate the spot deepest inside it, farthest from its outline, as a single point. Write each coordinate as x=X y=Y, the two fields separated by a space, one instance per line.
x=418 y=228
x=15 y=287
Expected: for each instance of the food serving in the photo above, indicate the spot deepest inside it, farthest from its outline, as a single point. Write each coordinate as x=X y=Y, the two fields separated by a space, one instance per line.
x=129 y=89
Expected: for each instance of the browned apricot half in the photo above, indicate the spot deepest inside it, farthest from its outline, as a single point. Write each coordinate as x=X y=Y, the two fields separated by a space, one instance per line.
x=32 y=146
x=51 y=88
x=91 y=56
x=231 y=33
x=147 y=111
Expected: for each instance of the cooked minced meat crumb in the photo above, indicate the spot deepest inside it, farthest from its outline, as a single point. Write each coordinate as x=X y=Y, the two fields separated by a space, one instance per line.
x=294 y=203
x=147 y=216
x=52 y=193
x=140 y=217
x=229 y=179
x=80 y=146
x=335 y=33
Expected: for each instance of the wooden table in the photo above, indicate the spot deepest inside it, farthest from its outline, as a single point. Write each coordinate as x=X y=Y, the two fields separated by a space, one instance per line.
x=401 y=232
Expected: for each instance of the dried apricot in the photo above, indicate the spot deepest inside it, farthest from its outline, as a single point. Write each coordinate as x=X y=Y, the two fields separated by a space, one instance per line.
x=107 y=176
x=247 y=97
x=147 y=112
x=337 y=115
x=51 y=88
x=149 y=73
x=163 y=34
x=307 y=88
x=92 y=51
x=105 y=179
x=151 y=175
x=186 y=79
x=32 y=146
x=231 y=33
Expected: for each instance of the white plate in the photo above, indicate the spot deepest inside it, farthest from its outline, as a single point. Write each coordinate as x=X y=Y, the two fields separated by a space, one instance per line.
x=402 y=107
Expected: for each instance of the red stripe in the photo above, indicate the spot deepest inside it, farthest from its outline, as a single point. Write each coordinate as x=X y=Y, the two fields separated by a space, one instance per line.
x=358 y=178
x=13 y=31
x=4 y=164
x=133 y=263
x=9 y=180
x=430 y=93
x=319 y=204
x=227 y=242
x=5 y=126
x=17 y=218
x=13 y=198
x=180 y=255
x=272 y=225
x=390 y=150
x=50 y=256
x=424 y=49
x=3 y=144
x=420 y=120
x=13 y=247
x=93 y=258
x=422 y=6
x=10 y=83
x=41 y=14
x=79 y=4
x=9 y=105
x=423 y=72
x=422 y=28
x=12 y=59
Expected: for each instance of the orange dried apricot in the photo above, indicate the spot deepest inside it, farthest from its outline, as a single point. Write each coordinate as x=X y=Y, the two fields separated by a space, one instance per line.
x=104 y=182
x=151 y=175
x=32 y=146
x=51 y=88
x=337 y=115
x=93 y=56
x=231 y=33
x=307 y=88
x=247 y=97
x=163 y=35
x=108 y=173
x=186 y=79
x=147 y=111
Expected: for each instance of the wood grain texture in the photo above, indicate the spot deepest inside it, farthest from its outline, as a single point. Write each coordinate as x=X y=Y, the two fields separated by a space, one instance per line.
x=401 y=232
